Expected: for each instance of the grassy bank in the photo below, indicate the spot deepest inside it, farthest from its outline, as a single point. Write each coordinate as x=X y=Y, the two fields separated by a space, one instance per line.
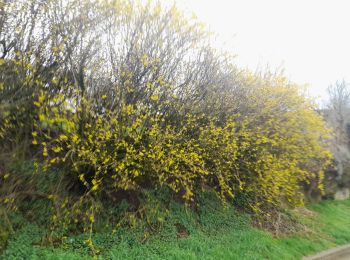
x=212 y=234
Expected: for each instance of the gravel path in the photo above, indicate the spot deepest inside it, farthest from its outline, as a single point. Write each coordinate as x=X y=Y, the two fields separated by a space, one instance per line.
x=338 y=253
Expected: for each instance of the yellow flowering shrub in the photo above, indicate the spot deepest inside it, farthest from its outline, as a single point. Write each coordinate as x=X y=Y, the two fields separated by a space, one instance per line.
x=270 y=153
x=18 y=88
x=284 y=143
x=125 y=150
x=147 y=105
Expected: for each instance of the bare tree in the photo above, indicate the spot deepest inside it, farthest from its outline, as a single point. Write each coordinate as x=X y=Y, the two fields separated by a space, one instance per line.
x=339 y=108
x=337 y=115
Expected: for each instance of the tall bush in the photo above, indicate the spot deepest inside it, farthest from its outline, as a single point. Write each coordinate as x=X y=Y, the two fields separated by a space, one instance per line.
x=125 y=97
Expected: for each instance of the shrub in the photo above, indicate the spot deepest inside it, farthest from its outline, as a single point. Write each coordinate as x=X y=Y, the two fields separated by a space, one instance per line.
x=164 y=111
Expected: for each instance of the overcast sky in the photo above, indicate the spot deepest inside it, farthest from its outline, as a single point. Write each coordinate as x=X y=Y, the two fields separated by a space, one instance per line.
x=310 y=39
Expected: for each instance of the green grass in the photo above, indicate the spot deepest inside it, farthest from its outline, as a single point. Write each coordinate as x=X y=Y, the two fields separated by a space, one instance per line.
x=213 y=234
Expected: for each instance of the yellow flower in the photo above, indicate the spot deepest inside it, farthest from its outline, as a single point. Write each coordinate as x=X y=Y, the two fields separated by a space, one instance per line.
x=63 y=138
x=155 y=98
x=57 y=149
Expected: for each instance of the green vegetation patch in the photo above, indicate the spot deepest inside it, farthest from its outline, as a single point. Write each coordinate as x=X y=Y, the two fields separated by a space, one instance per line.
x=211 y=233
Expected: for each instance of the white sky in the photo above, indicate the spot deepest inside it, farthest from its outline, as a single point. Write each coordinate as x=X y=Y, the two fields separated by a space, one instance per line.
x=310 y=39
